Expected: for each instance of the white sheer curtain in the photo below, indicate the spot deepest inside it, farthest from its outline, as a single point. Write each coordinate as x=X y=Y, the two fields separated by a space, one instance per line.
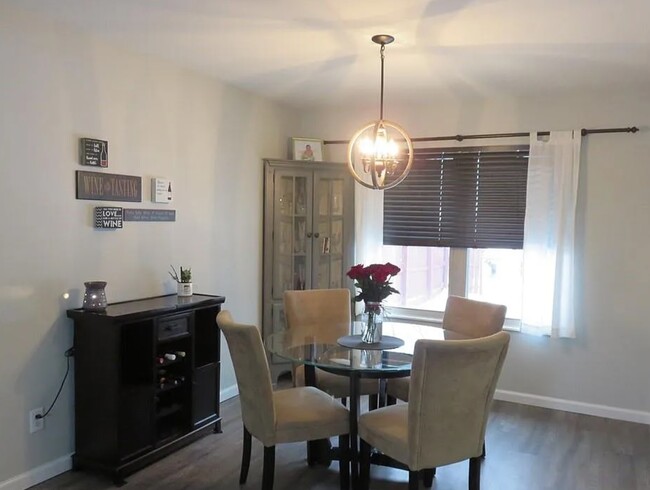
x=549 y=234
x=368 y=227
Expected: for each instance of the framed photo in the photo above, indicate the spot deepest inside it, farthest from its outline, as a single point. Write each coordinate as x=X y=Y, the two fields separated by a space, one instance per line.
x=307 y=149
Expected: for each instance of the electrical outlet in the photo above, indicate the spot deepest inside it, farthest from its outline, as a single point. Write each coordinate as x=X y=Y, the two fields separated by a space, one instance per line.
x=36 y=424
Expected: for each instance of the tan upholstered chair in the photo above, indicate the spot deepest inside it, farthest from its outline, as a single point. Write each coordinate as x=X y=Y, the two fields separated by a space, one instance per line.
x=465 y=316
x=326 y=314
x=452 y=385
x=293 y=415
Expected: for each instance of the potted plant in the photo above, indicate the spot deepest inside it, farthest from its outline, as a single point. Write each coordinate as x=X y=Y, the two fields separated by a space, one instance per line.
x=183 y=280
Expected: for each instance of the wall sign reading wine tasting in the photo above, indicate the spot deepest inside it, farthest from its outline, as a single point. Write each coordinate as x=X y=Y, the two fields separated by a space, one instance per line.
x=93 y=152
x=108 y=187
x=108 y=217
x=149 y=214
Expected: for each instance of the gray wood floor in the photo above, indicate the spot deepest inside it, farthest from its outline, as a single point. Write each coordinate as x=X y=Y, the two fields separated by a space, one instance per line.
x=528 y=448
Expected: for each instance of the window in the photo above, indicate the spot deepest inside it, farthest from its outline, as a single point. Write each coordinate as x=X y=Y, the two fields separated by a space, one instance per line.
x=455 y=226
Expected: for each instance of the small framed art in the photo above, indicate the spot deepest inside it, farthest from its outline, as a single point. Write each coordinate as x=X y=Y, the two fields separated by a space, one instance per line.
x=306 y=149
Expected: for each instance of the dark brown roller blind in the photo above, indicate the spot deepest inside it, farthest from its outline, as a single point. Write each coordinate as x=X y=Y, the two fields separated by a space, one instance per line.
x=473 y=197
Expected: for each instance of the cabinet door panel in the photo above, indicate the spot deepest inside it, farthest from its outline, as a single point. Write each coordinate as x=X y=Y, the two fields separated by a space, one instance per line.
x=291 y=231
x=279 y=325
x=135 y=421
x=328 y=250
x=204 y=391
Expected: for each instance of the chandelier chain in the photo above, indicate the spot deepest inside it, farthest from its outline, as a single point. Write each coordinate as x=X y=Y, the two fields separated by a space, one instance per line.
x=381 y=97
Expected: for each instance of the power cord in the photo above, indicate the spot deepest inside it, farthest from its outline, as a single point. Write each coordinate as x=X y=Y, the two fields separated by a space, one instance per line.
x=68 y=354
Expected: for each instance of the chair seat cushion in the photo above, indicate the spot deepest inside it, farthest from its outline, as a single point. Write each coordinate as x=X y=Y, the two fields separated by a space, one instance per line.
x=398 y=388
x=336 y=385
x=305 y=414
x=387 y=430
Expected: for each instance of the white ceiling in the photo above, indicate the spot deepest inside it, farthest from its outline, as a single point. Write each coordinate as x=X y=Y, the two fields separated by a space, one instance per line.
x=308 y=52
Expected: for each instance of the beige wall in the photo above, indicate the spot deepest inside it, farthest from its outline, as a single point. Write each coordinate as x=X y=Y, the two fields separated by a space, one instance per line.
x=56 y=86
x=608 y=364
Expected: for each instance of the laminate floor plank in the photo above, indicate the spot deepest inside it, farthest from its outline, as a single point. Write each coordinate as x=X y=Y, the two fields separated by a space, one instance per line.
x=528 y=448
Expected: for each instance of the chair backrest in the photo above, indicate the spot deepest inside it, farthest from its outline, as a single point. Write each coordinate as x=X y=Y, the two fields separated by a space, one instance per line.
x=473 y=318
x=451 y=389
x=253 y=376
x=324 y=313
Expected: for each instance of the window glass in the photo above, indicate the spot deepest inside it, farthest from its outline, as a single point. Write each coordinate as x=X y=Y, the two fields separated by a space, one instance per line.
x=495 y=275
x=423 y=282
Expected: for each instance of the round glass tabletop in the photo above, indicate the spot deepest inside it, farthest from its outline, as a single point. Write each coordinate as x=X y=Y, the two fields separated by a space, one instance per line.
x=325 y=352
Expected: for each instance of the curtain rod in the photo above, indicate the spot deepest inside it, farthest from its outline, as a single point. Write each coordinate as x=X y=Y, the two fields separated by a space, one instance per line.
x=461 y=137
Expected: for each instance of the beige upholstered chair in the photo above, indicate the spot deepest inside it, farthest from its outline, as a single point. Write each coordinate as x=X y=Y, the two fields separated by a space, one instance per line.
x=452 y=385
x=293 y=415
x=326 y=314
x=465 y=316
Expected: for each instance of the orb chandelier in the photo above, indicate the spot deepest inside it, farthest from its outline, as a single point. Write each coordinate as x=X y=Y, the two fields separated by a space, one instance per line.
x=380 y=154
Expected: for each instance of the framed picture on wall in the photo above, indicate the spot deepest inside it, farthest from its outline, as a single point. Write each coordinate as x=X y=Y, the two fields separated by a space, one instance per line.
x=307 y=149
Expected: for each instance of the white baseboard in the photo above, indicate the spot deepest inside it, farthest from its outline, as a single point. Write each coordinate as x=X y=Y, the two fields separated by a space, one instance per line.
x=573 y=406
x=38 y=474
x=227 y=393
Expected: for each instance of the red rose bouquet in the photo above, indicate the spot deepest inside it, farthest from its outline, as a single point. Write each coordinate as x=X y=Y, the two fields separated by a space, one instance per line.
x=374 y=281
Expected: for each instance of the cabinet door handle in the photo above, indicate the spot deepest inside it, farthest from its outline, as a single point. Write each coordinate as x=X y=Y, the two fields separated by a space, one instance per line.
x=309 y=234
x=316 y=235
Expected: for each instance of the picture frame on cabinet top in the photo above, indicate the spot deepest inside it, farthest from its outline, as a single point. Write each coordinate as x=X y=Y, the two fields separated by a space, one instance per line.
x=306 y=149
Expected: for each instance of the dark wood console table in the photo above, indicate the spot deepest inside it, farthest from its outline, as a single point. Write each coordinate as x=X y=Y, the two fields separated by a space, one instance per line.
x=146 y=380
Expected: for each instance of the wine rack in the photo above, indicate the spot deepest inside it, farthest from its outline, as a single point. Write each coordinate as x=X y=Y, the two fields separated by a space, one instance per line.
x=146 y=380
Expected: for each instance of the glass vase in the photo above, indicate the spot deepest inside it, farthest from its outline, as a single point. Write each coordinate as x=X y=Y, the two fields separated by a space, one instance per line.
x=373 y=320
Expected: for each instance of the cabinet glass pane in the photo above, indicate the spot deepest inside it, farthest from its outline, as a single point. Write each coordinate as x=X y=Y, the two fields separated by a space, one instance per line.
x=337 y=197
x=290 y=240
x=329 y=226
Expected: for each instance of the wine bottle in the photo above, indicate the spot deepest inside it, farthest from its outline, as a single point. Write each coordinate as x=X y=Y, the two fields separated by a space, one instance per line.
x=103 y=156
x=169 y=191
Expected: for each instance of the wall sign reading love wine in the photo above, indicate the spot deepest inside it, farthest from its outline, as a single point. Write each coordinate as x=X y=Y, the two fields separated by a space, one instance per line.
x=108 y=217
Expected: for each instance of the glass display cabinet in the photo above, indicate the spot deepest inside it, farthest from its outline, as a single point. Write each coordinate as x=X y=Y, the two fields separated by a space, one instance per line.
x=308 y=234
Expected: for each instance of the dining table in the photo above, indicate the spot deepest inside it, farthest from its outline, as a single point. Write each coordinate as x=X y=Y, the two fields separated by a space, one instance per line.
x=390 y=358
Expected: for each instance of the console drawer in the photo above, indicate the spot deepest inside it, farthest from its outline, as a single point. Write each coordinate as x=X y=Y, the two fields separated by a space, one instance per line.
x=172 y=327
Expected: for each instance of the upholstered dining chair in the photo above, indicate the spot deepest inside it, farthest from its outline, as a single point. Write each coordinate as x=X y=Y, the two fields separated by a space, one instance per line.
x=444 y=422
x=465 y=316
x=291 y=415
x=325 y=313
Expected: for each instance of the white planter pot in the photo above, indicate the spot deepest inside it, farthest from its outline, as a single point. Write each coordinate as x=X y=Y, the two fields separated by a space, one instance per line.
x=184 y=289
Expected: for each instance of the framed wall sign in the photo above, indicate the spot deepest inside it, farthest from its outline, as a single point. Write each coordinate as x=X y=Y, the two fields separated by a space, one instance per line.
x=307 y=149
x=108 y=187
x=149 y=214
x=93 y=152
x=108 y=217
x=161 y=190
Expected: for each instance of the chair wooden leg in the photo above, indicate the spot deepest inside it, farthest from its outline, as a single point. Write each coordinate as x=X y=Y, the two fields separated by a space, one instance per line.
x=414 y=482
x=364 y=463
x=344 y=461
x=390 y=400
x=483 y=453
x=427 y=477
x=344 y=401
x=475 y=473
x=269 y=468
x=245 y=457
